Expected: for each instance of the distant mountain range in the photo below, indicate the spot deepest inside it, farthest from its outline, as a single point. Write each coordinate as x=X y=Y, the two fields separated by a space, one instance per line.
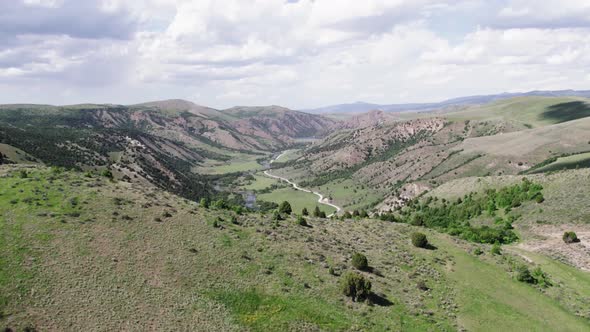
x=361 y=107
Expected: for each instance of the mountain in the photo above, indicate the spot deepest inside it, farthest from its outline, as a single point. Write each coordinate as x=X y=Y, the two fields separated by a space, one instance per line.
x=169 y=215
x=360 y=107
x=161 y=142
x=399 y=159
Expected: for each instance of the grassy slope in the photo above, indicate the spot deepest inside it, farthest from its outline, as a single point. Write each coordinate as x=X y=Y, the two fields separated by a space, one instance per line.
x=569 y=162
x=17 y=155
x=533 y=111
x=102 y=261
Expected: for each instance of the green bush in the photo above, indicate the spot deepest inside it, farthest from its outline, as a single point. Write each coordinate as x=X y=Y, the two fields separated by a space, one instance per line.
x=220 y=204
x=477 y=251
x=304 y=212
x=23 y=174
x=359 y=261
x=419 y=240
x=524 y=275
x=316 y=211
x=301 y=221
x=276 y=216
x=496 y=250
x=107 y=173
x=570 y=237
x=355 y=286
x=285 y=208
x=541 y=278
x=204 y=203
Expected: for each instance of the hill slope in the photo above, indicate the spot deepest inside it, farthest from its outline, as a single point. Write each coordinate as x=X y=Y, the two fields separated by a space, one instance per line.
x=86 y=253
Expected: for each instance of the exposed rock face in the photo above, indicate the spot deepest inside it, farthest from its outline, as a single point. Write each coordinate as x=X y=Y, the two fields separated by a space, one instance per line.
x=406 y=193
x=350 y=148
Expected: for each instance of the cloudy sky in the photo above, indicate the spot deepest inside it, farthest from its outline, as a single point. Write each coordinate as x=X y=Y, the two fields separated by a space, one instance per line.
x=299 y=54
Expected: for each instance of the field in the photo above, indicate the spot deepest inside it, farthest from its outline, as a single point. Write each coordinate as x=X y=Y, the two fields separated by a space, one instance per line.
x=298 y=199
x=260 y=182
x=237 y=163
x=349 y=195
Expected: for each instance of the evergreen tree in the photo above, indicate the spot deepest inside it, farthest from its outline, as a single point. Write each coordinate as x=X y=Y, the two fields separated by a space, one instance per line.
x=285 y=208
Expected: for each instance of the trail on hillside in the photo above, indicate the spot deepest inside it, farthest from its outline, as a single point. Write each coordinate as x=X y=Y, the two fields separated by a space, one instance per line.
x=321 y=198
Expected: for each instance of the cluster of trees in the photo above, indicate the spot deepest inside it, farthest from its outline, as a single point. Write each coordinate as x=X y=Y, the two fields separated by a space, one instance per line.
x=454 y=217
x=356 y=214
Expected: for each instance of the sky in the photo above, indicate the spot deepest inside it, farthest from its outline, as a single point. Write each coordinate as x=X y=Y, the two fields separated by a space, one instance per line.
x=298 y=54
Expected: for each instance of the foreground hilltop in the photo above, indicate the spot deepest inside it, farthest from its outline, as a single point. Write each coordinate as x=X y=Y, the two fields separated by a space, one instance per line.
x=83 y=252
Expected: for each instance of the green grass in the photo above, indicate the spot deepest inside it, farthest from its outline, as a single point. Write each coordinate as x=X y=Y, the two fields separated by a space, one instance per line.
x=260 y=182
x=298 y=199
x=17 y=155
x=238 y=163
x=486 y=294
x=528 y=111
x=349 y=194
x=264 y=312
x=181 y=271
x=289 y=155
x=570 y=162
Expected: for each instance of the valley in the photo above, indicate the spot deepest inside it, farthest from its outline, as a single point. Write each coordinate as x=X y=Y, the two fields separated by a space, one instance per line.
x=171 y=215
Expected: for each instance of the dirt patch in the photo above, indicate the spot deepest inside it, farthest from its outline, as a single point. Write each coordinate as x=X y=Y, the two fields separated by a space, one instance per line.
x=549 y=241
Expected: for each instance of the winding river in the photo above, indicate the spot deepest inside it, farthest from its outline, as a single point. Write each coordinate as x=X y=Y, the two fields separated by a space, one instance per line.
x=321 y=198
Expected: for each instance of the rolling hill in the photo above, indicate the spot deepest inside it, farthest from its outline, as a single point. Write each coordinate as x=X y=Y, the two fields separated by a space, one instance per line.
x=145 y=259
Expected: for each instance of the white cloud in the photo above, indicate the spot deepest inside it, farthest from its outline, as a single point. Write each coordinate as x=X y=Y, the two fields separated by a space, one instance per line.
x=300 y=54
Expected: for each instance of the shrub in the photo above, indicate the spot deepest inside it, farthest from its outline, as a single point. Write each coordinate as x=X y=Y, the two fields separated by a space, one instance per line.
x=524 y=275
x=346 y=215
x=285 y=208
x=496 y=250
x=301 y=221
x=204 y=203
x=422 y=285
x=539 y=198
x=277 y=216
x=304 y=212
x=107 y=173
x=417 y=220
x=359 y=261
x=23 y=174
x=477 y=251
x=570 y=237
x=322 y=214
x=331 y=271
x=356 y=286
x=220 y=204
x=316 y=211
x=541 y=278
x=419 y=240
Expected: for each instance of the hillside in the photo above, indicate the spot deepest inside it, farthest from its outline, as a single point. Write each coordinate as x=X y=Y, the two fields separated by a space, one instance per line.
x=361 y=107
x=86 y=253
x=172 y=143
x=393 y=159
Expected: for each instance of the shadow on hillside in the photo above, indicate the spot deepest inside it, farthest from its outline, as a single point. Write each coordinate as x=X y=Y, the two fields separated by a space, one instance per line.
x=430 y=247
x=566 y=111
x=379 y=300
